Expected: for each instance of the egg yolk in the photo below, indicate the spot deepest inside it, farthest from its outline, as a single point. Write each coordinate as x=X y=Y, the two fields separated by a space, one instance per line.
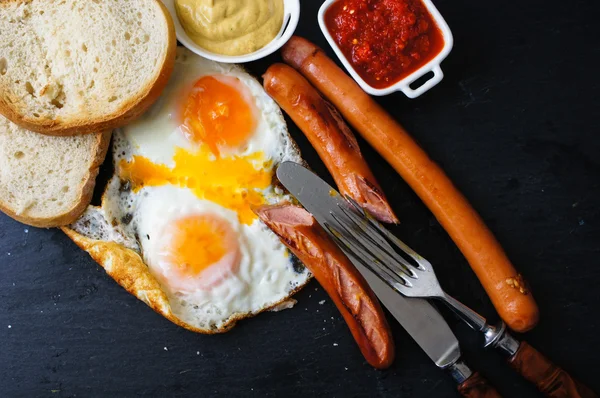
x=198 y=251
x=234 y=182
x=217 y=114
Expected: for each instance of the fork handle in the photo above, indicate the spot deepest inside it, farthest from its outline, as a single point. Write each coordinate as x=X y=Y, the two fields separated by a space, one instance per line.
x=477 y=386
x=550 y=379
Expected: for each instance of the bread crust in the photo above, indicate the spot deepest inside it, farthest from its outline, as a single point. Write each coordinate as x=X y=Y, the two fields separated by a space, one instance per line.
x=131 y=110
x=98 y=154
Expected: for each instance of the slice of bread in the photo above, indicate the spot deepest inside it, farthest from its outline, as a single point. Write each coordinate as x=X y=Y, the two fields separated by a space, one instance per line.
x=47 y=181
x=78 y=66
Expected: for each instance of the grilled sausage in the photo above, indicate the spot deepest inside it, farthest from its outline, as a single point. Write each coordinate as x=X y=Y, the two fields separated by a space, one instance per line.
x=503 y=284
x=330 y=136
x=351 y=294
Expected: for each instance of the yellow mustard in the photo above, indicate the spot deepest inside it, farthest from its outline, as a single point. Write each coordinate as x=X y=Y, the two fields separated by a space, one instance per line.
x=231 y=27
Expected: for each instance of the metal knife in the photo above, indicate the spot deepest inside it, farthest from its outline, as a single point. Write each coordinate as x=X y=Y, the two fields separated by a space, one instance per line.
x=418 y=317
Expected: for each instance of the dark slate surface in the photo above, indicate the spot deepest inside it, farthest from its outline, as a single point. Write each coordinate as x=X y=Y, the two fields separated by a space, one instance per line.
x=514 y=124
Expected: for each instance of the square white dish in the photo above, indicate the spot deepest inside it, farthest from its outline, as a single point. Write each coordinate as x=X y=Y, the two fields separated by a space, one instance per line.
x=403 y=85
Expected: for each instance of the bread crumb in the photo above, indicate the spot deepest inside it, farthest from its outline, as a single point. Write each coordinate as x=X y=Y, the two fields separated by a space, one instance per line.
x=322 y=302
x=166 y=349
x=335 y=344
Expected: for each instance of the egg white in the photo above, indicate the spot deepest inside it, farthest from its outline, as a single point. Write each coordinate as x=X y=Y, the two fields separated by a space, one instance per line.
x=265 y=275
x=156 y=134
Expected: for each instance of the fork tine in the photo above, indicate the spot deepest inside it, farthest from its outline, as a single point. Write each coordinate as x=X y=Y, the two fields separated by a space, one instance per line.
x=391 y=262
x=380 y=243
x=361 y=220
x=369 y=261
x=423 y=264
x=389 y=280
x=371 y=252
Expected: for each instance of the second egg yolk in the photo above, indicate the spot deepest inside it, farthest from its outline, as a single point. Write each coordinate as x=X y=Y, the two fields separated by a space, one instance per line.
x=217 y=114
x=198 y=250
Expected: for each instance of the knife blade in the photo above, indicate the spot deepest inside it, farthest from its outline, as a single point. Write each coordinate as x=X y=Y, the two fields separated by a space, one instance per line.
x=417 y=316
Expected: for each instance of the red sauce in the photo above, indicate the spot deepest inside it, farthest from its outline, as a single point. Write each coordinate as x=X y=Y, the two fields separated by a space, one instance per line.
x=384 y=40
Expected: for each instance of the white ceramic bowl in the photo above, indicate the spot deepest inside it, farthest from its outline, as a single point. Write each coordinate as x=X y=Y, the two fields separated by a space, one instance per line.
x=404 y=84
x=291 y=10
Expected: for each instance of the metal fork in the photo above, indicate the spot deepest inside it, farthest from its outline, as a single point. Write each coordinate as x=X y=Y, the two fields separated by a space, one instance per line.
x=367 y=241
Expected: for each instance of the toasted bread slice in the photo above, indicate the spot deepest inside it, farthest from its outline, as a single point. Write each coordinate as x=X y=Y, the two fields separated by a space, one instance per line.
x=74 y=67
x=47 y=181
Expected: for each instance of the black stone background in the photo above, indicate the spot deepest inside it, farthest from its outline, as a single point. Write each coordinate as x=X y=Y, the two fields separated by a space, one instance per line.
x=514 y=124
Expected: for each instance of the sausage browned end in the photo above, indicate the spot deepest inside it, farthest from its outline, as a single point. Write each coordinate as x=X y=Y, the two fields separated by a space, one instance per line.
x=351 y=294
x=505 y=287
x=330 y=136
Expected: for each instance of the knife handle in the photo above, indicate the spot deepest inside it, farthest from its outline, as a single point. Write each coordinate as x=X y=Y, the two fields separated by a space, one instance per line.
x=477 y=386
x=551 y=380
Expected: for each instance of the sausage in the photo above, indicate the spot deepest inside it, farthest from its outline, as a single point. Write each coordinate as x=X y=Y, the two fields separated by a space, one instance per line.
x=505 y=287
x=351 y=294
x=330 y=136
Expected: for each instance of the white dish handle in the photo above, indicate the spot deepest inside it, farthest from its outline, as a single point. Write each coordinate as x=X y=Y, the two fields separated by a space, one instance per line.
x=437 y=77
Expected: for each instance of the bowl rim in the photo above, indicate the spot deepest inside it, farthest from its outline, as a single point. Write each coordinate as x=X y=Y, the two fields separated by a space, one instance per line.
x=403 y=85
x=290 y=23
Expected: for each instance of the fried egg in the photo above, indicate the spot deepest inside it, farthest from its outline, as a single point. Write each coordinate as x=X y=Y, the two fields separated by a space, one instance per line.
x=187 y=175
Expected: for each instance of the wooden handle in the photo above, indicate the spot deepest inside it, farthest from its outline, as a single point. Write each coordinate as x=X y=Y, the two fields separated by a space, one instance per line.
x=477 y=387
x=549 y=378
